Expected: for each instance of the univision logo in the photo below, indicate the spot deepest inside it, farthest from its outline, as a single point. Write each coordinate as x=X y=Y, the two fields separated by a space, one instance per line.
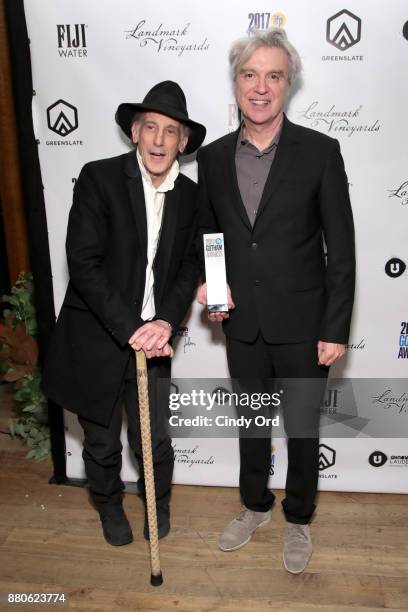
x=377 y=459
x=62 y=118
x=395 y=267
x=343 y=30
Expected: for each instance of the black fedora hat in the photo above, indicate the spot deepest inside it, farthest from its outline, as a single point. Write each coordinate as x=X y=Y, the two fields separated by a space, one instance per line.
x=168 y=99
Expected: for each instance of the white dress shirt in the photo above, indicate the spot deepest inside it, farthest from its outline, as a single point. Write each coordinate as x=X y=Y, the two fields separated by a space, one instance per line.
x=154 y=199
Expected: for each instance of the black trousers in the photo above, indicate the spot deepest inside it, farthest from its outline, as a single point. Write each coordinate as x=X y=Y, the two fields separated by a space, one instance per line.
x=102 y=451
x=255 y=366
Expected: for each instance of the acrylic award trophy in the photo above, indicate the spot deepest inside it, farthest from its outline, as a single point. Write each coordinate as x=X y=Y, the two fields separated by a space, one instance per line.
x=214 y=257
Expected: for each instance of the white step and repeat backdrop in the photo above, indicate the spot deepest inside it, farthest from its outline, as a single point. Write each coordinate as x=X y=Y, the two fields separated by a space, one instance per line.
x=88 y=57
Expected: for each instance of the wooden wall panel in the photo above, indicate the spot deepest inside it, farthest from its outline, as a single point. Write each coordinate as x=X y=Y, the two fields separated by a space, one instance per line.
x=12 y=202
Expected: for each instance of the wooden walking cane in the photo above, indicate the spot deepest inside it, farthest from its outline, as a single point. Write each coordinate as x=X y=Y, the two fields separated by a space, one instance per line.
x=156 y=578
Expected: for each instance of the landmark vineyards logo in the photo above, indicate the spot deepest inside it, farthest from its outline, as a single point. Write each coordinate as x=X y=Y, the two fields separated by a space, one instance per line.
x=62 y=119
x=72 y=40
x=332 y=119
x=163 y=38
x=357 y=346
x=394 y=402
x=190 y=456
x=400 y=192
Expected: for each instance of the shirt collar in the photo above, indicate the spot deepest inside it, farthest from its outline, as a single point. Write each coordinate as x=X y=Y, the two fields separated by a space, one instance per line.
x=244 y=142
x=168 y=183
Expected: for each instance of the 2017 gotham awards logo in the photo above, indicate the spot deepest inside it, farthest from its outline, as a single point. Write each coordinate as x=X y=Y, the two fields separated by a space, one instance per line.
x=62 y=119
x=214 y=247
x=343 y=31
x=403 y=341
x=71 y=40
x=264 y=21
x=164 y=38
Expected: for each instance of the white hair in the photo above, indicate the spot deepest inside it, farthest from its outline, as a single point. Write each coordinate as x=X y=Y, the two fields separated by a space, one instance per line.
x=137 y=117
x=243 y=48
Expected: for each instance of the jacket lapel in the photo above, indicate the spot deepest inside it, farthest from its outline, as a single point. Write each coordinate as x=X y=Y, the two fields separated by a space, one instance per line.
x=137 y=200
x=230 y=146
x=168 y=229
x=283 y=157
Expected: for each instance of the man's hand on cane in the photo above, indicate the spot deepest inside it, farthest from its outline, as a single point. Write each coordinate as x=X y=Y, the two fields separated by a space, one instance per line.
x=202 y=299
x=153 y=339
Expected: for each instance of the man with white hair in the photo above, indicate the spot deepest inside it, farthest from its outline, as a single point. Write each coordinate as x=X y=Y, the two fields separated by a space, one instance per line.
x=278 y=191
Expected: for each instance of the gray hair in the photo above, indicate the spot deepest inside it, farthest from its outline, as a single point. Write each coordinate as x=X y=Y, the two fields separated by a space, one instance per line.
x=243 y=48
x=137 y=117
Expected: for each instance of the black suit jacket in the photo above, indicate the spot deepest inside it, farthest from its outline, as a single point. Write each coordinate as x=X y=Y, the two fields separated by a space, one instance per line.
x=280 y=281
x=107 y=255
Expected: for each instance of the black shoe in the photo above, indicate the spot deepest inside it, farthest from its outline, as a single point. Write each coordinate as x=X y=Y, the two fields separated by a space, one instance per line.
x=116 y=528
x=163 y=521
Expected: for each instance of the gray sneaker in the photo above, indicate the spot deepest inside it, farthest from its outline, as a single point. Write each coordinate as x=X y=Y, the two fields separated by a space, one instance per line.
x=297 y=548
x=240 y=530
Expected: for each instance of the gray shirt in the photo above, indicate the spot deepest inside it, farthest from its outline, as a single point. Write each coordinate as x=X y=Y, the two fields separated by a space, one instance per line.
x=253 y=168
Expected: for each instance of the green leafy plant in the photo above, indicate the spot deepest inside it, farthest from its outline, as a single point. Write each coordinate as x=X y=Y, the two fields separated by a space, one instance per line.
x=19 y=365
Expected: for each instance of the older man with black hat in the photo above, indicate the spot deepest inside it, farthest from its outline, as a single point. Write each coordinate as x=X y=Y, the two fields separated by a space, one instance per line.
x=133 y=272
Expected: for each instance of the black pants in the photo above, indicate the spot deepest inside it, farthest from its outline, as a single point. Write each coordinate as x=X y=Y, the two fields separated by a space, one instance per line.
x=102 y=452
x=253 y=365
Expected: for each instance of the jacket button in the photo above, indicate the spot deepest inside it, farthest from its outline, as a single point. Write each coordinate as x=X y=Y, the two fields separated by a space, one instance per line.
x=257 y=282
x=254 y=246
